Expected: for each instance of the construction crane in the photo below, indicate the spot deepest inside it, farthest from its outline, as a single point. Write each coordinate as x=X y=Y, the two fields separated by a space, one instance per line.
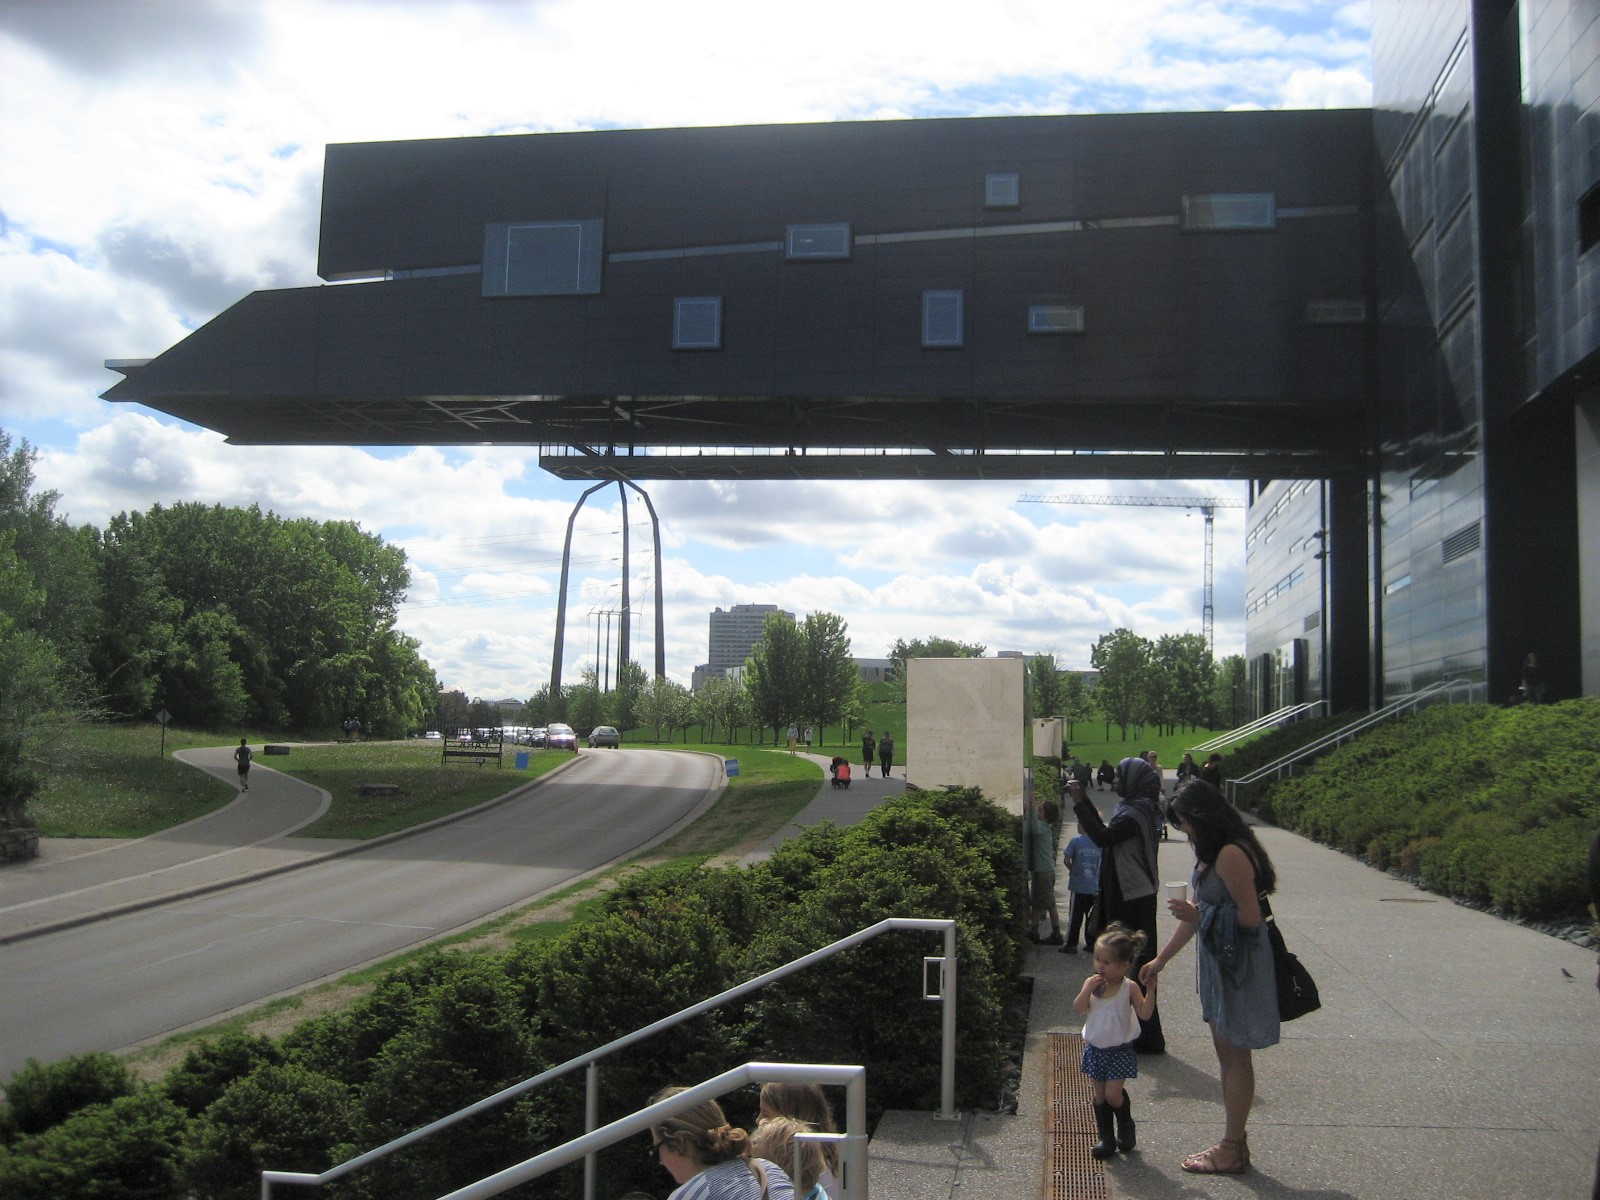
x=1207 y=507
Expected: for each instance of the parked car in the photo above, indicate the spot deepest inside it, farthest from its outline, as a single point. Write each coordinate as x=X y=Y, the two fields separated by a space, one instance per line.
x=561 y=737
x=604 y=735
x=433 y=735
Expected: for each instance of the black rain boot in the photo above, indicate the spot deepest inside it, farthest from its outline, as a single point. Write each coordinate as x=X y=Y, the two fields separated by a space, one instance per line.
x=1106 y=1147
x=1124 y=1116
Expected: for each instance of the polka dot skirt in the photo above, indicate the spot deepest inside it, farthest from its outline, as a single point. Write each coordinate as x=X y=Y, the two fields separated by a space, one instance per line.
x=1115 y=1062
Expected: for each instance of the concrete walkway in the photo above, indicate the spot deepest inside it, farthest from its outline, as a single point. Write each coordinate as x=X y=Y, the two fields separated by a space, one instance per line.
x=1456 y=1057
x=842 y=806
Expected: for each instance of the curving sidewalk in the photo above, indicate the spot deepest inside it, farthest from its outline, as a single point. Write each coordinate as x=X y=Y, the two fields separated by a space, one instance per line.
x=252 y=837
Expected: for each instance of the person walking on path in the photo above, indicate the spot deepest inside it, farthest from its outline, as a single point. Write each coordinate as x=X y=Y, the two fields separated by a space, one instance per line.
x=1082 y=858
x=1041 y=849
x=1128 y=870
x=1234 y=969
x=794 y=735
x=886 y=752
x=869 y=750
x=242 y=756
x=807 y=736
x=1115 y=1005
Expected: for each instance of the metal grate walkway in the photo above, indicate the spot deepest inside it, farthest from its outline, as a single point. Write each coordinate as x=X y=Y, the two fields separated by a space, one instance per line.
x=1071 y=1172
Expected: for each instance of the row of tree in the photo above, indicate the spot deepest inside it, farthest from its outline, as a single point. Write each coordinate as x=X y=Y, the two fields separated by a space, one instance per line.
x=224 y=617
x=802 y=672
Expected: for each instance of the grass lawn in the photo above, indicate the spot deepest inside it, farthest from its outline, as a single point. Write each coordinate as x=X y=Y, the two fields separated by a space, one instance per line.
x=1090 y=744
x=771 y=787
x=429 y=789
x=112 y=781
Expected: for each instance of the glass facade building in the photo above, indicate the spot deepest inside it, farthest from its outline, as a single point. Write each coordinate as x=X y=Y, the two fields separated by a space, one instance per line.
x=1483 y=499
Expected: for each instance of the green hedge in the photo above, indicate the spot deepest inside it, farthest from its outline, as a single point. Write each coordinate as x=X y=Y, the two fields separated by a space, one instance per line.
x=452 y=1028
x=1491 y=805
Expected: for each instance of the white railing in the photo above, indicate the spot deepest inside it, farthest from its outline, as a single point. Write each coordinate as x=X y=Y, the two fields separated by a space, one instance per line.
x=852 y=1159
x=1442 y=690
x=944 y=992
x=1292 y=712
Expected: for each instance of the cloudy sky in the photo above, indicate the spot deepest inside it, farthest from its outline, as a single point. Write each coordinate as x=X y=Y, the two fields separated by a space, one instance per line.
x=160 y=160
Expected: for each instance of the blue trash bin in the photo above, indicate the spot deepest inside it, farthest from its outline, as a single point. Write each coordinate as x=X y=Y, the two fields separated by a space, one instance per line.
x=522 y=760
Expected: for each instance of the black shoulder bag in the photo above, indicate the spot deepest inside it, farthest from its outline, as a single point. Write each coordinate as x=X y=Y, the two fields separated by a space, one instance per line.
x=1297 y=991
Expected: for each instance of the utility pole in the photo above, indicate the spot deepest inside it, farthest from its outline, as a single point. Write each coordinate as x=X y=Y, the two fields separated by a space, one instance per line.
x=1207 y=507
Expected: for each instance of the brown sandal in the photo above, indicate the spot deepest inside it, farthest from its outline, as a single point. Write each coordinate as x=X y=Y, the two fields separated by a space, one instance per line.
x=1236 y=1154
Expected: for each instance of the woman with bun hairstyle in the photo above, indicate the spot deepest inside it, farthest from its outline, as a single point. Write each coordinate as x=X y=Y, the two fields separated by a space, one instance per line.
x=1234 y=972
x=710 y=1159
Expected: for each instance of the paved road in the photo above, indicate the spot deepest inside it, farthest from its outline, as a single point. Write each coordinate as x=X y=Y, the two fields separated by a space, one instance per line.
x=110 y=983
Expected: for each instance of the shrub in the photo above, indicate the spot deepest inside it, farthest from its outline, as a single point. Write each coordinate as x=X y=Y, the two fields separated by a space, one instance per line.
x=1490 y=805
x=470 y=1041
x=280 y=1117
x=40 y=1095
x=206 y=1071
x=127 y=1149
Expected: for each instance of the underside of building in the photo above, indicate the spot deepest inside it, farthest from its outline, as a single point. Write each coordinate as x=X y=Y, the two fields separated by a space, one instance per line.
x=1385 y=320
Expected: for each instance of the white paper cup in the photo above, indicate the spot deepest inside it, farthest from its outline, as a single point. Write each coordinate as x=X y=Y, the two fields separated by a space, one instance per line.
x=1178 y=891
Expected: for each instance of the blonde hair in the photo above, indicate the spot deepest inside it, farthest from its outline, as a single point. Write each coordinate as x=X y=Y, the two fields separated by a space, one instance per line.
x=774 y=1141
x=808 y=1104
x=1123 y=943
x=702 y=1133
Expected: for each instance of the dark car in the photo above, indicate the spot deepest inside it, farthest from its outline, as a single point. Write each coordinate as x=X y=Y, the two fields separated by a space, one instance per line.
x=561 y=737
x=604 y=735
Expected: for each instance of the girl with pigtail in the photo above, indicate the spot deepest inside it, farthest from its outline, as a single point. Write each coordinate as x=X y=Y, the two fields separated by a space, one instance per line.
x=1115 y=1005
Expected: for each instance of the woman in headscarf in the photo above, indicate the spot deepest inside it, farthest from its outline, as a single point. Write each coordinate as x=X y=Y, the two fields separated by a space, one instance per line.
x=1129 y=879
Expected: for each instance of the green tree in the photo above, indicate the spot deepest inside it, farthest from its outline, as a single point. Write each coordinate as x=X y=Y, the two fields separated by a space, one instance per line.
x=452 y=710
x=1122 y=658
x=303 y=610
x=1077 y=702
x=830 y=672
x=1230 y=694
x=33 y=696
x=661 y=704
x=1045 y=685
x=621 y=704
x=723 y=704
x=62 y=563
x=934 y=647
x=1186 y=659
x=776 y=674
x=583 y=703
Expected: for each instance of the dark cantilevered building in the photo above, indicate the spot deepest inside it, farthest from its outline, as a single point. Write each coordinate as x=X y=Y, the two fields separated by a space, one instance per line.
x=1261 y=296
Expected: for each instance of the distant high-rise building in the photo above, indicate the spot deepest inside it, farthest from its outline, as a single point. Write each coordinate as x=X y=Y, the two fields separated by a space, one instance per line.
x=734 y=632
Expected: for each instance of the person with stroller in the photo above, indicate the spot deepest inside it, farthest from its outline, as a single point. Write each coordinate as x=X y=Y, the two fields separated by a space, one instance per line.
x=840 y=770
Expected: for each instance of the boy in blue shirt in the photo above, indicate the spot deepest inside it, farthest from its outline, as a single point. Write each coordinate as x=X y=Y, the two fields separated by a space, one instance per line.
x=1082 y=857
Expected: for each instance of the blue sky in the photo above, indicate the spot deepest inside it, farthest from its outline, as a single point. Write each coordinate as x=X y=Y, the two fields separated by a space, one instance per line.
x=159 y=161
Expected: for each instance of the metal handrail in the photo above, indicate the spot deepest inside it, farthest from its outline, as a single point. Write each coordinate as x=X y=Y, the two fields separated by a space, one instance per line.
x=853 y=1159
x=590 y=1059
x=1438 y=690
x=1276 y=717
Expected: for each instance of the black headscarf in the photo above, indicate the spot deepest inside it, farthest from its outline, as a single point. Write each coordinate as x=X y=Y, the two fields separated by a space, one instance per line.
x=1140 y=802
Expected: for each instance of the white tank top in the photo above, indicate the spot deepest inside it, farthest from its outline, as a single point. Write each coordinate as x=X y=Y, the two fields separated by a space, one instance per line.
x=1111 y=1021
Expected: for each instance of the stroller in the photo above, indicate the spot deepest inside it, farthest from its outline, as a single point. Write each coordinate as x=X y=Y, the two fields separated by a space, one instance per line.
x=840 y=770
